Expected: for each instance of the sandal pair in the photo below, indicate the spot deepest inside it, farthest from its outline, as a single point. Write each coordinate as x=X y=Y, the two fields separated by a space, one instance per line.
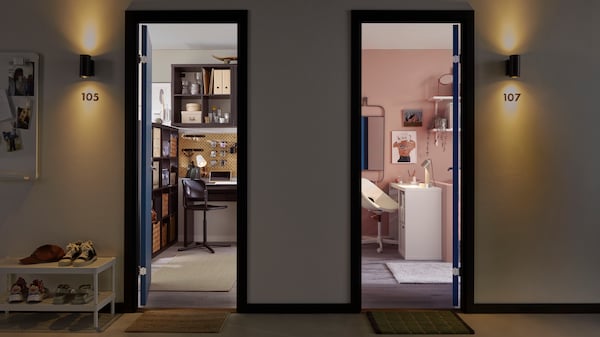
x=65 y=294
x=84 y=294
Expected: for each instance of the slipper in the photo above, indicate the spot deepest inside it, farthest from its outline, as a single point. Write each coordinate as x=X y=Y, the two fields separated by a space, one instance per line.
x=84 y=294
x=63 y=294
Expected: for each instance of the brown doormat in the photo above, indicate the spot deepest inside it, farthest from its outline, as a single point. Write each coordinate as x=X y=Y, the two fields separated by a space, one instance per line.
x=178 y=320
x=418 y=322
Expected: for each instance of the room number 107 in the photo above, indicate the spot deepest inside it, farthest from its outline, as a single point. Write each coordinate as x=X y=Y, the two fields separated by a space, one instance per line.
x=512 y=97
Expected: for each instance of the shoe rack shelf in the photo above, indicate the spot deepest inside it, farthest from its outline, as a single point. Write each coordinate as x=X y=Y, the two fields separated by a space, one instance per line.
x=12 y=269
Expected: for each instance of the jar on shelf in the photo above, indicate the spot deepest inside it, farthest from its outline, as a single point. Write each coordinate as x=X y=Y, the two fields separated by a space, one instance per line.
x=184 y=85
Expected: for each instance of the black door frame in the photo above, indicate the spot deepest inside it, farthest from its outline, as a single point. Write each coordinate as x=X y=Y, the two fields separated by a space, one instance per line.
x=131 y=192
x=466 y=20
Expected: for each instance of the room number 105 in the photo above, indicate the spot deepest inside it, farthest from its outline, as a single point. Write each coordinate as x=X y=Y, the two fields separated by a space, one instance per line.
x=88 y=96
x=512 y=97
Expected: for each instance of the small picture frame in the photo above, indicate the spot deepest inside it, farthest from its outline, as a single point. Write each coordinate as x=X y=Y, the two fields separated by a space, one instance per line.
x=412 y=117
x=161 y=102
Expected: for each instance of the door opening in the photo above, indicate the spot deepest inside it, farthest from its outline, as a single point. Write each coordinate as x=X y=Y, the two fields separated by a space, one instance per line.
x=173 y=143
x=406 y=64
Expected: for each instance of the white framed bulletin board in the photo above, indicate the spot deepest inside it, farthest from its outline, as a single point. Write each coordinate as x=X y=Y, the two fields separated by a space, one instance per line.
x=19 y=115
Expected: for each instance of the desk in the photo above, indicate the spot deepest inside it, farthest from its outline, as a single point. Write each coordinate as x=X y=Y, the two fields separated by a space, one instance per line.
x=226 y=191
x=221 y=191
x=419 y=221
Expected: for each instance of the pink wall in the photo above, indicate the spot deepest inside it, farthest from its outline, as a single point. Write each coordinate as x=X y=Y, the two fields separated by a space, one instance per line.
x=406 y=79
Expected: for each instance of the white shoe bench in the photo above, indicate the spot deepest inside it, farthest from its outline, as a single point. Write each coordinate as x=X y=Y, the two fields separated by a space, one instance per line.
x=13 y=269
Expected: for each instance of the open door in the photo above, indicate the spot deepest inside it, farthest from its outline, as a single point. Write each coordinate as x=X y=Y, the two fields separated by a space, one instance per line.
x=455 y=169
x=462 y=23
x=138 y=178
x=145 y=166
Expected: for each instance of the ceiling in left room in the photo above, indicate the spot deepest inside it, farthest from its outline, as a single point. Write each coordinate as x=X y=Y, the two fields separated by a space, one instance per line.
x=188 y=36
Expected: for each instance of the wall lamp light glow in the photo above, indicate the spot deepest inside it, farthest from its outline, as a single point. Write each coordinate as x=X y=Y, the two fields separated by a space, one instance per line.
x=513 y=66
x=86 y=66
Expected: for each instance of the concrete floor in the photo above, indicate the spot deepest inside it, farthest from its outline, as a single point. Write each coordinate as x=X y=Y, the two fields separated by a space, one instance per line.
x=355 y=325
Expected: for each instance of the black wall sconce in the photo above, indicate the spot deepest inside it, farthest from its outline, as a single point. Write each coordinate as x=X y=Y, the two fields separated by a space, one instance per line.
x=86 y=66
x=513 y=66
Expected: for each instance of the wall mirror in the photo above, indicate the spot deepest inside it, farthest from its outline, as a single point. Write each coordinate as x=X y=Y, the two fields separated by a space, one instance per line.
x=373 y=143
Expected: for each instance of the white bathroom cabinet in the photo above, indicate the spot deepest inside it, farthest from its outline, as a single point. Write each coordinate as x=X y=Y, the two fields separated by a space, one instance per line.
x=13 y=269
x=419 y=220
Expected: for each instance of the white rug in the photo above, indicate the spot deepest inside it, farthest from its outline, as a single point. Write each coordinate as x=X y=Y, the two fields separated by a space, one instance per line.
x=195 y=270
x=421 y=272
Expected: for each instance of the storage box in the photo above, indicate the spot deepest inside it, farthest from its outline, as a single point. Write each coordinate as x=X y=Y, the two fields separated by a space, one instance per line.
x=191 y=117
x=163 y=234
x=155 y=237
x=192 y=107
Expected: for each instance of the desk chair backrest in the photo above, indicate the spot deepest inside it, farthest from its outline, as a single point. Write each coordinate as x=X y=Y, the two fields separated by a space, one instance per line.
x=194 y=190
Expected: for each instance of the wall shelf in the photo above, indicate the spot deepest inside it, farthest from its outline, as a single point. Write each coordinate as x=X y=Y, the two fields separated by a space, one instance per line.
x=215 y=78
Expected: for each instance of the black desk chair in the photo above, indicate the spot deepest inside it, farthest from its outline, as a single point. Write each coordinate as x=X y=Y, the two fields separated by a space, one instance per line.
x=195 y=198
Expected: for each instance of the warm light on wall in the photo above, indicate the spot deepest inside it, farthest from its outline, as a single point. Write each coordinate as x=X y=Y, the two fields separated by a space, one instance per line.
x=85 y=96
x=508 y=37
x=511 y=96
x=88 y=26
x=90 y=36
x=509 y=25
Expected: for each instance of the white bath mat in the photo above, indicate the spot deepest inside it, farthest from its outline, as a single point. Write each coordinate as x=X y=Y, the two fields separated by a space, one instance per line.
x=421 y=272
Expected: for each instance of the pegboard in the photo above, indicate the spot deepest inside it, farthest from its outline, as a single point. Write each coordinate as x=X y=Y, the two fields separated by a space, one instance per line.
x=218 y=149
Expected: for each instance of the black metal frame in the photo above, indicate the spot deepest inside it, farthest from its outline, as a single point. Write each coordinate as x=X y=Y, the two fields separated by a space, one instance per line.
x=466 y=19
x=131 y=186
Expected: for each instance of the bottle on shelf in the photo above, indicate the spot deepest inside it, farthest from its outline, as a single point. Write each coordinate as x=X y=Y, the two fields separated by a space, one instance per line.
x=196 y=85
x=213 y=115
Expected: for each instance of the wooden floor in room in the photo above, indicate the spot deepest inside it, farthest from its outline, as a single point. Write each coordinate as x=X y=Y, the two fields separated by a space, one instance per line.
x=379 y=288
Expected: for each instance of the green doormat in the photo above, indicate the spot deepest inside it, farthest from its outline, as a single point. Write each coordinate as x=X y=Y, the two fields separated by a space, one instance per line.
x=418 y=322
x=179 y=321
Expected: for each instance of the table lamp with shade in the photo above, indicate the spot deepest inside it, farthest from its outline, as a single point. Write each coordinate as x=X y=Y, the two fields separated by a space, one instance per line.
x=201 y=162
x=197 y=171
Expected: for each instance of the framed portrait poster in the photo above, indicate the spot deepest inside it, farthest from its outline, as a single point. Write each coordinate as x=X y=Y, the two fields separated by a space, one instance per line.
x=404 y=147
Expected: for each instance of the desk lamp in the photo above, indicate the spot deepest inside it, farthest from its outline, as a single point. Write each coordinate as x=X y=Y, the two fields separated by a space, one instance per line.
x=427 y=166
x=201 y=162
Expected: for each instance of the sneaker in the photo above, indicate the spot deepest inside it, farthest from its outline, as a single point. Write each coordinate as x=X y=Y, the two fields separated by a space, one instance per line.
x=63 y=294
x=73 y=251
x=37 y=291
x=87 y=255
x=84 y=294
x=18 y=291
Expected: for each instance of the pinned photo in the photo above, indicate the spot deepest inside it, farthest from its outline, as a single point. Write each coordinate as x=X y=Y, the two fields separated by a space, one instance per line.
x=12 y=140
x=21 y=79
